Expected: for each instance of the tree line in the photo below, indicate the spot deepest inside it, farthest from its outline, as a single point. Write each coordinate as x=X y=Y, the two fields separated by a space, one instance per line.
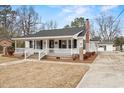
x=22 y=21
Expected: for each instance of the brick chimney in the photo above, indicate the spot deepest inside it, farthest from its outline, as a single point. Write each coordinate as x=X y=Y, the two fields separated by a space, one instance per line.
x=87 y=28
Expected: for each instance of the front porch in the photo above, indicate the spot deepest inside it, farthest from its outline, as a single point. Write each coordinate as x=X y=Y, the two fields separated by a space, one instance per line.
x=50 y=47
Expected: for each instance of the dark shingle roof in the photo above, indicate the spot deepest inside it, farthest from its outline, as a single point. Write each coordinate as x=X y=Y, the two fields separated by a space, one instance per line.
x=58 y=32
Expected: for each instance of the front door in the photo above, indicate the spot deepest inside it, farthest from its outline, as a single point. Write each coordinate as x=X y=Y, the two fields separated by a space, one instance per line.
x=51 y=43
x=41 y=44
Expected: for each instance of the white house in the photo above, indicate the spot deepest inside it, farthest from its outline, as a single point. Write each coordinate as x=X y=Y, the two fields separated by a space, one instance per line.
x=62 y=42
x=65 y=42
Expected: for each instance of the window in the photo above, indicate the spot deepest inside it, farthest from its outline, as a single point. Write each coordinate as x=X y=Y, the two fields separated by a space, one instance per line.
x=31 y=44
x=100 y=46
x=51 y=43
x=74 y=43
x=69 y=43
x=62 y=44
x=59 y=43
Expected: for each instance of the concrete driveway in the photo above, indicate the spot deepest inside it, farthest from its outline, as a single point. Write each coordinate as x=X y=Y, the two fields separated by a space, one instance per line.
x=106 y=72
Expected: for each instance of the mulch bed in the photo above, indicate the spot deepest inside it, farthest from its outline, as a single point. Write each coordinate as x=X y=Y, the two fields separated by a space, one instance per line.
x=14 y=56
x=88 y=60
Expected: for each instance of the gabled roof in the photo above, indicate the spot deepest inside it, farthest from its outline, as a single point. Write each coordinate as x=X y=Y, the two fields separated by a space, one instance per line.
x=58 y=32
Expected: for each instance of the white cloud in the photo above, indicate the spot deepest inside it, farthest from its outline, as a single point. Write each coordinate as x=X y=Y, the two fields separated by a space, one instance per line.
x=77 y=10
x=71 y=12
x=108 y=7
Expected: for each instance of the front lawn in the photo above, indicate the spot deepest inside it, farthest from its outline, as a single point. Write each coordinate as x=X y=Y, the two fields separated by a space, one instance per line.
x=4 y=59
x=34 y=74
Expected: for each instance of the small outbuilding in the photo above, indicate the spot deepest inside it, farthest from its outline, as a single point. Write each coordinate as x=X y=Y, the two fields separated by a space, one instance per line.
x=106 y=46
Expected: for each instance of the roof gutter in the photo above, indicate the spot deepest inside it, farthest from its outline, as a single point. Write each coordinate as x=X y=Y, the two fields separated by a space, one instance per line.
x=36 y=38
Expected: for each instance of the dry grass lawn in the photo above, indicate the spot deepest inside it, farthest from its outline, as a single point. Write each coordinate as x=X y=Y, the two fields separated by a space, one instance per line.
x=4 y=59
x=7 y=59
x=34 y=74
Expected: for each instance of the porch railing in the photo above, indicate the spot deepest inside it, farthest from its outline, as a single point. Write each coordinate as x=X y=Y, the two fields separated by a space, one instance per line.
x=28 y=52
x=41 y=53
x=19 y=50
x=63 y=51
x=49 y=51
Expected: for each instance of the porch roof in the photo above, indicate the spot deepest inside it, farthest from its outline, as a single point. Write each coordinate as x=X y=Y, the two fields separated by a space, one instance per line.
x=55 y=33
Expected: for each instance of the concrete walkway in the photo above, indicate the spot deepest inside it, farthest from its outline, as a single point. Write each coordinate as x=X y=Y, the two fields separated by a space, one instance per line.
x=106 y=72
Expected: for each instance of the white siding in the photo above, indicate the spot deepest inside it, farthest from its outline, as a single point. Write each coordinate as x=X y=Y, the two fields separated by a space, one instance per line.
x=26 y=44
x=93 y=46
x=109 y=47
x=100 y=49
x=79 y=43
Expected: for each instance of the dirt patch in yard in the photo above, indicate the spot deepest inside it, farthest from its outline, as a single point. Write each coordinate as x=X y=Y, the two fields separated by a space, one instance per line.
x=47 y=75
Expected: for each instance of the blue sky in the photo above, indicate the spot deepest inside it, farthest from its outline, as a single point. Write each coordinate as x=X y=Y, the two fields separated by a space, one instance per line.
x=64 y=14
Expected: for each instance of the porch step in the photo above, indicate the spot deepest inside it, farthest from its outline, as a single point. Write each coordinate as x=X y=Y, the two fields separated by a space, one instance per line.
x=34 y=56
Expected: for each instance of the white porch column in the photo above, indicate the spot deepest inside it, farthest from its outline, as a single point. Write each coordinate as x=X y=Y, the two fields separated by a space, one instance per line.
x=67 y=43
x=27 y=44
x=46 y=44
x=33 y=44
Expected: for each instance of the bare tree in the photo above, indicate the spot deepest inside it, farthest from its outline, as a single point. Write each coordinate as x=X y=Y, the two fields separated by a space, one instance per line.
x=107 y=28
x=92 y=30
x=27 y=20
x=51 y=25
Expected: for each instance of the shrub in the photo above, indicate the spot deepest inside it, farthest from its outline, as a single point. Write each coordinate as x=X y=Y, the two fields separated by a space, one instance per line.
x=10 y=50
